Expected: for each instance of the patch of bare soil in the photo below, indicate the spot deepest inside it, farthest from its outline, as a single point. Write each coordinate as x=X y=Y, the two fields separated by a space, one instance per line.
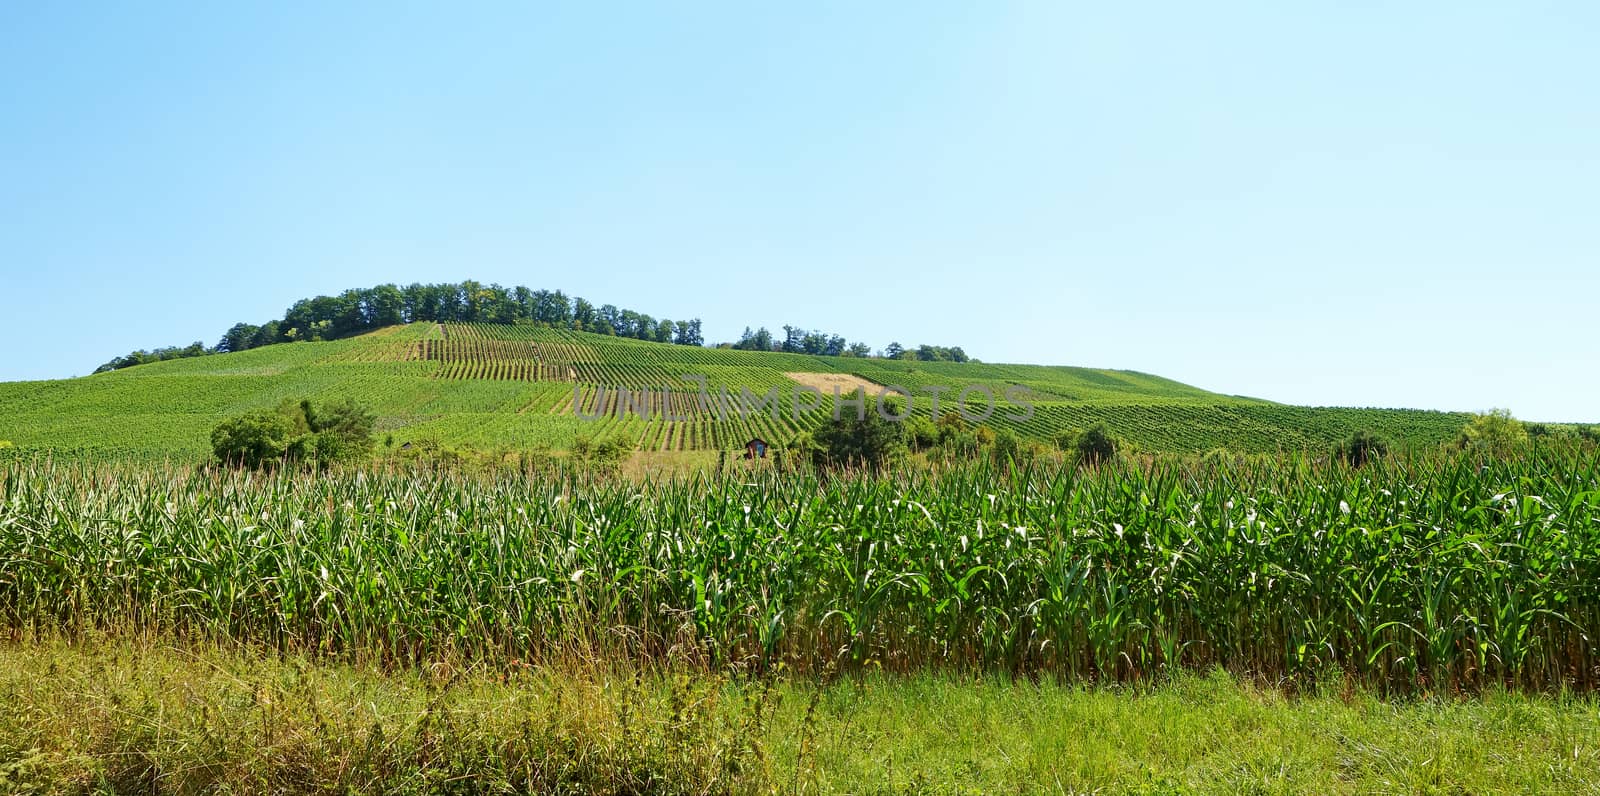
x=825 y=382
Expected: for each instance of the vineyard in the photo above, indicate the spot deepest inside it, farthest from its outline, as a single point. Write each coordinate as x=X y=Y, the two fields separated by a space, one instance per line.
x=497 y=386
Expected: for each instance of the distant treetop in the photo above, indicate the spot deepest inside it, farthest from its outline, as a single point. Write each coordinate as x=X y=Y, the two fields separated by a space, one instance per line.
x=361 y=310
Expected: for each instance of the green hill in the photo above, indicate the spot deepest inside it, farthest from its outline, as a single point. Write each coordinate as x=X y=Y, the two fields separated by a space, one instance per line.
x=494 y=386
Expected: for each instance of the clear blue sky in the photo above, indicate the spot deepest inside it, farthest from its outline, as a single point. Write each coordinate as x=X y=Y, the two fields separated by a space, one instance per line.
x=1370 y=204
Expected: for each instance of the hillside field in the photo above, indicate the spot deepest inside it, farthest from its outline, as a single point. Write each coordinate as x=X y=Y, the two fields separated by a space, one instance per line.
x=513 y=387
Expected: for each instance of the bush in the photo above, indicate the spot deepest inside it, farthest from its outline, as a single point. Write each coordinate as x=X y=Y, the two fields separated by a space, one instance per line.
x=951 y=426
x=1066 y=439
x=869 y=440
x=984 y=436
x=295 y=432
x=341 y=432
x=1008 y=447
x=921 y=433
x=804 y=443
x=1494 y=432
x=254 y=440
x=1362 y=447
x=1095 y=445
x=606 y=453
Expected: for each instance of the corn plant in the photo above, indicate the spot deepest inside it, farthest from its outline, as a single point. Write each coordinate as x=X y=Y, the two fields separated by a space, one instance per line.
x=1415 y=572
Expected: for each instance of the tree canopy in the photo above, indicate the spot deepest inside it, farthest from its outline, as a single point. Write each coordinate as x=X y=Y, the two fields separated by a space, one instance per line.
x=797 y=340
x=1362 y=447
x=1494 y=432
x=361 y=310
x=364 y=309
x=300 y=433
x=864 y=440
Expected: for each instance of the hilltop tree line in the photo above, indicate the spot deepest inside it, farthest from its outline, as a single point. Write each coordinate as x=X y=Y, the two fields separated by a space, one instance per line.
x=796 y=340
x=364 y=309
x=356 y=311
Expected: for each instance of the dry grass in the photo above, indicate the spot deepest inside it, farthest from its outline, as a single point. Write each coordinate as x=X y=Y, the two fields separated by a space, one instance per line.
x=846 y=382
x=161 y=718
x=657 y=464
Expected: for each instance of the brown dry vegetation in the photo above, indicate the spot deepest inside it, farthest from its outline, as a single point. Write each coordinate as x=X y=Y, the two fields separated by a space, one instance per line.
x=846 y=382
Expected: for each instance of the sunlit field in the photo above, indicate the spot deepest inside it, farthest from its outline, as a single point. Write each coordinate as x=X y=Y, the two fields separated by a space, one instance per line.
x=1443 y=572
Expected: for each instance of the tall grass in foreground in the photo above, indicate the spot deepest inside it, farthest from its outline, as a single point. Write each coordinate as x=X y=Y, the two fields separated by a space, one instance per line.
x=131 y=718
x=1433 y=572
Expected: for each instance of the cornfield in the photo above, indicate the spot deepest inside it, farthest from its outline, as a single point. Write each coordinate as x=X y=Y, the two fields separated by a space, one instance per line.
x=1426 y=572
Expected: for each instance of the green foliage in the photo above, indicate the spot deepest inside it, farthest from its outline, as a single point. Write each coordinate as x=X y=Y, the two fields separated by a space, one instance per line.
x=951 y=427
x=955 y=439
x=1435 y=572
x=859 y=440
x=361 y=310
x=605 y=452
x=1008 y=447
x=239 y=337
x=295 y=432
x=937 y=353
x=796 y=341
x=125 y=716
x=984 y=436
x=141 y=356
x=1362 y=447
x=805 y=446
x=921 y=433
x=254 y=440
x=343 y=430
x=1095 y=445
x=1495 y=433
x=489 y=386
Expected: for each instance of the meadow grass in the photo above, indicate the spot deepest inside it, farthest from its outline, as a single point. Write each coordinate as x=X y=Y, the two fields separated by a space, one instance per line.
x=142 y=716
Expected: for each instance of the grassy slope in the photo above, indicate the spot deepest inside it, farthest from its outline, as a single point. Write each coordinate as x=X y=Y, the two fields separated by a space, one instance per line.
x=467 y=389
x=147 y=718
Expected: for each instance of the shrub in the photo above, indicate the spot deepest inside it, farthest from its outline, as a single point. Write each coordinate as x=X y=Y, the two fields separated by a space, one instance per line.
x=951 y=426
x=295 y=432
x=255 y=440
x=921 y=433
x=1362 y=447
x=1007 y=446
x=343 y=431
x=984 y=435
x=1494 y=432
x=804 y=443
x=1066 y=439
x=605 y=453
x=1095 y=445
x=868 y=440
